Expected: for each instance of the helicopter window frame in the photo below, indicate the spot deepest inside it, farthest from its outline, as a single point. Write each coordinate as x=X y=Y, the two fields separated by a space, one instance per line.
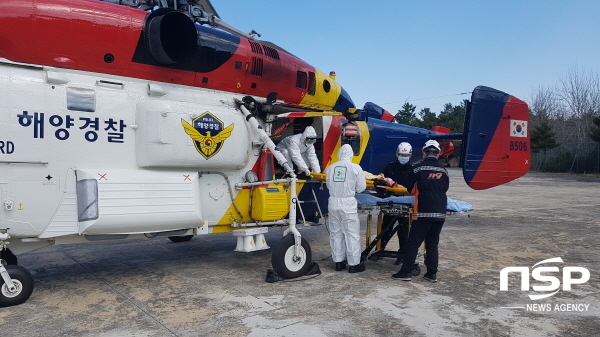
x=326 y=86
x=301 y=79
x=87 y=200
x=81 y=99
x=354 y=142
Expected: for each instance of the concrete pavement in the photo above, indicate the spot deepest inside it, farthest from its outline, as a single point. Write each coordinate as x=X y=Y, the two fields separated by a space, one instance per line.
x=203 y=288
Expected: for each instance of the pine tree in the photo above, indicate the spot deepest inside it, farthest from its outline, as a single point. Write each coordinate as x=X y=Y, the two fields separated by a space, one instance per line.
x=595 y=129
x=407 y=115
x=428 y=118
x=543 y=137
x=452 y=117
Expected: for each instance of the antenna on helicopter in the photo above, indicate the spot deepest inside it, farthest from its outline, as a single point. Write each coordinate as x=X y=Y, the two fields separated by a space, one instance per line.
x=253 y=32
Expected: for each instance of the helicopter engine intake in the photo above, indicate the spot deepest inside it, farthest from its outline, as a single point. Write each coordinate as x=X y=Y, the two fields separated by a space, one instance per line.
x=171 y=36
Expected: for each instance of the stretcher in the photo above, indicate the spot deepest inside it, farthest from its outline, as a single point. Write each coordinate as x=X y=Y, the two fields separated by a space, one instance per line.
x=398 y=207
x=376 y=247
x=371 y=185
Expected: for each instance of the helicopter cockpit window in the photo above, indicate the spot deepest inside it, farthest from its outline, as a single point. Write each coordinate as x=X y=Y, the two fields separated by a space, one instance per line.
x=301 y=80
x=312 y=84
x=326 y=86
x=81 y=99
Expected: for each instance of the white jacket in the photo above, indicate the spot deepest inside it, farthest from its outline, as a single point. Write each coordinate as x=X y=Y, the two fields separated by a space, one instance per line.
x=344 y=178
x=295 y=151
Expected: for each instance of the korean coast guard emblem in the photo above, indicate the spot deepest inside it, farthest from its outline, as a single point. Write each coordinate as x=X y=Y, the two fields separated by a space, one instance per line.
x=208 y=133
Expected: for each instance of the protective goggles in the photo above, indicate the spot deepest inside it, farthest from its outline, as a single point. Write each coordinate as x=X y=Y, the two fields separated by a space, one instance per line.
x=310 y=140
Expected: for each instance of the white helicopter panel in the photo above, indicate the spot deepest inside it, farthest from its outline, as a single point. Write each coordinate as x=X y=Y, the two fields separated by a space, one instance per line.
x=30 y=199
x=183 y=135
x=160 y=200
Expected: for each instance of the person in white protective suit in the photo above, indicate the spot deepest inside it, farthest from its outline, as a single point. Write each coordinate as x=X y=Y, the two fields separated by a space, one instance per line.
x=298 y=149
x=344 y=179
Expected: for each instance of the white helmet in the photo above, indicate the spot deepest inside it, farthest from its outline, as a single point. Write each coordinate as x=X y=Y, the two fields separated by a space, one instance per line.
x=432 y=143
x=404 y=148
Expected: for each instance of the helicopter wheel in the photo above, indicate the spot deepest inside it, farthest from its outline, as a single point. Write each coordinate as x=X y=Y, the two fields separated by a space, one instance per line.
x=181 y=238
x=8 y=258
x=23 y=282
x=285 y=263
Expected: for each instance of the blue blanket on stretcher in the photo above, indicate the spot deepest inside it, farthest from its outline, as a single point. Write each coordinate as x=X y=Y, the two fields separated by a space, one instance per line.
x=366 y=199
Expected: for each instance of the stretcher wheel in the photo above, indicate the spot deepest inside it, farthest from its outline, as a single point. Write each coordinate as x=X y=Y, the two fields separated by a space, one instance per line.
x=416 y=270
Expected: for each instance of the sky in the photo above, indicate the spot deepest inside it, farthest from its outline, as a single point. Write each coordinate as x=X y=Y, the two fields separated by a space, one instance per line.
x=429 y=53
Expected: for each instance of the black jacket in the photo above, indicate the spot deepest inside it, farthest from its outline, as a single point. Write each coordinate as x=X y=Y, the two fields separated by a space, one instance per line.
x=398 y=172
x=429 y=183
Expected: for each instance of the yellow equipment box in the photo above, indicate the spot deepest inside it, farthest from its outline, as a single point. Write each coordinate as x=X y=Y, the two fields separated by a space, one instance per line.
x=270 y=203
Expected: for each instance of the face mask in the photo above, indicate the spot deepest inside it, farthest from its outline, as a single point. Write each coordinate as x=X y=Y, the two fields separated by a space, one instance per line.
x=310 y=141
x=403 y=160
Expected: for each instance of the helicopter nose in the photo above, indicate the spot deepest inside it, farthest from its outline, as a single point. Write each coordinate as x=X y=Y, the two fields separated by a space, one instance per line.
x=343 y=102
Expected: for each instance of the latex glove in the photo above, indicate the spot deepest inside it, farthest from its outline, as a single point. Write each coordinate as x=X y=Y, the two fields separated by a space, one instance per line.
x=305 y=171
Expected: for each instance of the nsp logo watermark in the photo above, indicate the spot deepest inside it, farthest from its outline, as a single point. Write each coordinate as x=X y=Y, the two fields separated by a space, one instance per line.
x=540 y=274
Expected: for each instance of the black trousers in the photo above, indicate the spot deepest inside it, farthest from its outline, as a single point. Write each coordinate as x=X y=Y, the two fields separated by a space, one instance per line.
x=428 y=230
x=402 y=229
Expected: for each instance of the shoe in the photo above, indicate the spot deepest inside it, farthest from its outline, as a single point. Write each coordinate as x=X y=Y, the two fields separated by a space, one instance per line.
x=402 y=276
x=430 y=277
x=339 y=266
x=357 y=269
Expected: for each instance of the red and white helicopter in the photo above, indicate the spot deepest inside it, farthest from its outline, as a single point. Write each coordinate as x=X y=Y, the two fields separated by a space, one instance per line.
x=125 y=119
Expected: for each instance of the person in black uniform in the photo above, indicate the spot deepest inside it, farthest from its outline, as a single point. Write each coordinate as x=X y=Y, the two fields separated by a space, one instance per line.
x=429 y=183
x=398 y=171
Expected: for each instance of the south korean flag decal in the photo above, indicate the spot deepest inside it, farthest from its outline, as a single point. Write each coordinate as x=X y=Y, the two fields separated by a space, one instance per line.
x=518 y=128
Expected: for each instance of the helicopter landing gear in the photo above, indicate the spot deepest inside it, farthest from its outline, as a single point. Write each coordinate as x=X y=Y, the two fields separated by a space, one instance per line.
x=286 y=263
x=16 y=285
